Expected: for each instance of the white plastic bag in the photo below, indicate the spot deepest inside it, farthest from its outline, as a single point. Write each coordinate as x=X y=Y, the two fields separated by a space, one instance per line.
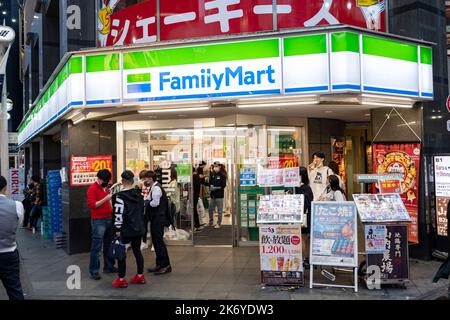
x=182 y=234
x=201 y=209
x=170 y=234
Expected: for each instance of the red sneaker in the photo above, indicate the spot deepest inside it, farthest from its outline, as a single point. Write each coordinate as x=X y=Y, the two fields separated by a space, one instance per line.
x=138 y=279
x=120 y=283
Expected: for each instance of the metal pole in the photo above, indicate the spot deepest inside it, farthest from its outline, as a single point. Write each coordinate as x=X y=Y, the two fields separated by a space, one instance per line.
x=4 y=156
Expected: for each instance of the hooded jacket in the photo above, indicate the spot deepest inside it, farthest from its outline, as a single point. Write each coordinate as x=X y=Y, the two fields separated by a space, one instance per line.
x=129 y=213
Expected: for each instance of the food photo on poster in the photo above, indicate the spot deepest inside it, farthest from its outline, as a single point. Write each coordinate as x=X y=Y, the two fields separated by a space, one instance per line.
x=442 y=189
x=84 y=169
x=381 y=208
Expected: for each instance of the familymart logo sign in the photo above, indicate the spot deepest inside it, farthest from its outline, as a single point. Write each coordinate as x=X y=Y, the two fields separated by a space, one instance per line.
x=219 y=79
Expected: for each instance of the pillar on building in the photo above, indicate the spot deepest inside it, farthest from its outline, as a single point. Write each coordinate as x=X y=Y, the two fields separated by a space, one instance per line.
x=50 y=154
x=88 y=138
x=35 y=159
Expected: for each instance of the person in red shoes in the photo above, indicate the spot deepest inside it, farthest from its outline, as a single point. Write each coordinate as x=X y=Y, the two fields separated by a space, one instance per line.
x=129 y=227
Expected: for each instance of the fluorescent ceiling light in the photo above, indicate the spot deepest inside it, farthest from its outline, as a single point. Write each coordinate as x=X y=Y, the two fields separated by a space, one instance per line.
x=171 y=131
x=173 y=110
x=275 y=105
x=75 y=122
x=283 y=129
x=366 y=95
x=394 y=105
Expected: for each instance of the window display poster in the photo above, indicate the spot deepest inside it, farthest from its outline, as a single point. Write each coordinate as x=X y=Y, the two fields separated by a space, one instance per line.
x=334 y=234
x=247 y=177
x=281 y=208
x=183 y=172
x=83 y=169
x=404 y=159
x=291 y=177
x=270 y=177
x=393 y=261
x=442 y=188
x=281 y=254
x=375 y=236
x=338 y=155
x=381 y=208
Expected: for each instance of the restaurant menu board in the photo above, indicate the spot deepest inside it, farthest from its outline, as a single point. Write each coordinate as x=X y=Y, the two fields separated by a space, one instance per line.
x=281 y=208
x=281 y=254
x=403 y=159
x=334 y=234
x=442 y=188
x=393 y=261
x=84 y=169
x=375 y=236
x=381 y=208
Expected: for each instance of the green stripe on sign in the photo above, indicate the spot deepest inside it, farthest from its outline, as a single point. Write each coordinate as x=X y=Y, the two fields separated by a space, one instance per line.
x=345 y=41
x=305 y=45
x=103 y=62
x=426 y=55
x=389 y=49
x=202 y=54
x=75 y=65
x=140 y=77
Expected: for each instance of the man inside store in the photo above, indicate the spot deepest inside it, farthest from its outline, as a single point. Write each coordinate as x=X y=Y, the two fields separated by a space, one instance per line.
x=11 y=216
x=157 y=211
x=99 y=201
x=318 y=175
x=217 y=183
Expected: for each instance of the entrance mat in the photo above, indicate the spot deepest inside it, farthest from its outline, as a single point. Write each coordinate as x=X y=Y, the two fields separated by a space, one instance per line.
x=214 y=237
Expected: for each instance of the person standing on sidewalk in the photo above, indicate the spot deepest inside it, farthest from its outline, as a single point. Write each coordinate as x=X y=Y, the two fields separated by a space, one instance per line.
x=129 y=227
x=11 y=216
x=99 y=201
x=37 y=199
x=217 y=183
x=318 y=175
x=157 y=210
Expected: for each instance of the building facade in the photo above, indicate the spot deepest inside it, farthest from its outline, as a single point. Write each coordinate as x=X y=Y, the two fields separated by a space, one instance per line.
x=256 y=84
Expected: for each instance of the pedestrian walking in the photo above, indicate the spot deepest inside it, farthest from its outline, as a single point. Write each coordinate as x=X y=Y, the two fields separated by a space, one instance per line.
x=157 y=209
x=11 y=216
x=37 y=199
x=129 y=227
x=217 y=183
x=99 y=201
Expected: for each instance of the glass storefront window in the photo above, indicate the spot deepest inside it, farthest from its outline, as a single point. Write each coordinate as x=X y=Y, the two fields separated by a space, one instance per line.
x=137 y=152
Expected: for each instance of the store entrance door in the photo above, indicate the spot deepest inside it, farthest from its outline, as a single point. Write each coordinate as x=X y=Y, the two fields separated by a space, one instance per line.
x=172 y=162
x=216 y=145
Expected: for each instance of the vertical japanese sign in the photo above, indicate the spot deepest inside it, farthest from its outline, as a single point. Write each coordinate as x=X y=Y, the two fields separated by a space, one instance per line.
x=442 y=189
x=393 y=261
x=338 y=156
x=403 y=159
x=281 y=254
x=83 y=169
x=334 y=234
x=16 y=184
x=205 y=18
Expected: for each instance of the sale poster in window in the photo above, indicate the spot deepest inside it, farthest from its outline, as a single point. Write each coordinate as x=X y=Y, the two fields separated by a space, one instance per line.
x=442 y=189
x=403 y=159
x=84 y=169
x=281 y=254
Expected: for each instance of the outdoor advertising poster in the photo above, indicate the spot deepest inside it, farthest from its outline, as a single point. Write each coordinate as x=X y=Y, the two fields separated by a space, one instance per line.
x=381 y=208
x=291 y=177
x=393 y=261
x=281 y=208
x=16 y=184
x=375 y=236
x=334 y=234
x=83 y=169
x=390 y=186
x=404 y=159
x=270 y=177
x=442 y=189
x=338 y=155
x=281 y=254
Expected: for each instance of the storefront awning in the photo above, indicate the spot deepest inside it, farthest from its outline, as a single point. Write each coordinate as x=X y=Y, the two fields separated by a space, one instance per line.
x=339 y=65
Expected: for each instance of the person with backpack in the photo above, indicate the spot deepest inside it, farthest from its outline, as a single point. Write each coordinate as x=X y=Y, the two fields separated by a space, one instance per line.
x=129 y=227
x=158 y=208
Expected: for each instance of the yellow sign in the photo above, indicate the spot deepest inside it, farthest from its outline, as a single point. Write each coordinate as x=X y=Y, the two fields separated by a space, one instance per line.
x=366 y=3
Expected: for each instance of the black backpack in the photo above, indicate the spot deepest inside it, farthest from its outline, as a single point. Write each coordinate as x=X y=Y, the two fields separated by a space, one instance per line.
x=171 y=213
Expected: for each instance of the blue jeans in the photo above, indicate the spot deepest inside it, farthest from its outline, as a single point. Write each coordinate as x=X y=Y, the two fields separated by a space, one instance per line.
x=101 y=237
x=218 y=202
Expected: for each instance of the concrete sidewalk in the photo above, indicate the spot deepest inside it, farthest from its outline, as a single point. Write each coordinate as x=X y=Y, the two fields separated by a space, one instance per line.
x=198 y=273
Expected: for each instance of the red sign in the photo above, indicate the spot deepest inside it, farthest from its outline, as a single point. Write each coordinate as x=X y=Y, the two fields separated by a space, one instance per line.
x=448 y=103
x=390 y=186
x=205 y=18
x=283 y=162
x=402 y=159
x=83 y=169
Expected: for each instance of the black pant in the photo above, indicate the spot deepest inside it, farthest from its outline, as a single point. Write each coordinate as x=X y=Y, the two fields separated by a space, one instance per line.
x=157 y=232
x=10 y=274
x=146 y=220
x=35 y=214
x=196 y=217
x=27 y=207
x=136 y=247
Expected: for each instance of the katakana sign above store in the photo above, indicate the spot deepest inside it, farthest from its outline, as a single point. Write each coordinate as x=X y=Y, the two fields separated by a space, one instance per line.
x=138 y=23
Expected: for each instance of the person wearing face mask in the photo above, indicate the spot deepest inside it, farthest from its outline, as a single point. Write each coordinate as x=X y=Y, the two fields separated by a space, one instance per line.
x=99 y=201
x=217 y=183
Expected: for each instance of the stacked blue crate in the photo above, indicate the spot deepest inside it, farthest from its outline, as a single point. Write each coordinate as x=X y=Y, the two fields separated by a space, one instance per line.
x=54 y=201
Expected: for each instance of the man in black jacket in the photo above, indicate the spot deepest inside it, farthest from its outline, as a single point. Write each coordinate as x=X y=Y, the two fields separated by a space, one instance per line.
x=217 y=183
x=129 y=226
x=157 y=209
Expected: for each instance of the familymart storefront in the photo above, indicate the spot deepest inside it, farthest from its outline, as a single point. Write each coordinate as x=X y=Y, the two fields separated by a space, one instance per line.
x=260 y=101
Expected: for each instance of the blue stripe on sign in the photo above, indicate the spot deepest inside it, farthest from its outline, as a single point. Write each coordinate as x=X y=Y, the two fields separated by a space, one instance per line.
x=307 y=89
x=426 y=94
x=139 y=88
x=346 y=86
x=92 y=102
x=211 y=95
x=395 y=91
